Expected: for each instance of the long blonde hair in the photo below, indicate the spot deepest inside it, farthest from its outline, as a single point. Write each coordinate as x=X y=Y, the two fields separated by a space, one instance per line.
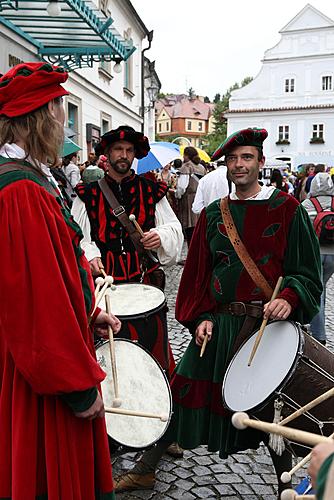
x=41 y=133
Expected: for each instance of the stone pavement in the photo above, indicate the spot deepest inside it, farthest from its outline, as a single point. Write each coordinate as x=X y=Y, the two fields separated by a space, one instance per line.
x=247 y=475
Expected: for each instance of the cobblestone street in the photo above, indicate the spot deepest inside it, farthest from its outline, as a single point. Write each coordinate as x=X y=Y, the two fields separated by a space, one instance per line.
x=247 y=475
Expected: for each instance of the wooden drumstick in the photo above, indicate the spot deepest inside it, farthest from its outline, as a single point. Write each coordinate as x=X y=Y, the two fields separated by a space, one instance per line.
x=108 y=281
x=292 y=495
x=132 y=218
x=104 y=274
x=117 y=401
x=134 y=413
x=99 y=282
x=287 y=476
x=323 y=397
x=205 y=341
x=264 y=322
x=240 y=420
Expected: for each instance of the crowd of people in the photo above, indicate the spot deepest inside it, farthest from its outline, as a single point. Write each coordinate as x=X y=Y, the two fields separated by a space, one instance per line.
x=62 y=224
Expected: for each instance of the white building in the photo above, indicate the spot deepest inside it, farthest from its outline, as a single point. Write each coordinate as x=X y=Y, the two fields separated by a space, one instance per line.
x=100 y=98
x=293 y=94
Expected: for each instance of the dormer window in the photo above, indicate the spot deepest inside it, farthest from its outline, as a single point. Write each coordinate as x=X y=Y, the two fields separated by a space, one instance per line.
x=327 y=83
x=289 y=85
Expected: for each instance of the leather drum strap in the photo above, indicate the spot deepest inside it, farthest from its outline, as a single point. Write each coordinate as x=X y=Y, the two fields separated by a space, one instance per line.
x=119 y=212
x=250 y=266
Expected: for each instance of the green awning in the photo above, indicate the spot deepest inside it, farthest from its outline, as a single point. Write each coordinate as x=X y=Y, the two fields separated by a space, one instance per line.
x=78 y=37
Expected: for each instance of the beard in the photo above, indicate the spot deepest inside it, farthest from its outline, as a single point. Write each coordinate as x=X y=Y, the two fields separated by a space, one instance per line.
x=120 y=166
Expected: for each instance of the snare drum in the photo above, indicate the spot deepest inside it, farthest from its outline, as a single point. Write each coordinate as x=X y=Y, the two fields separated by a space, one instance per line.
x=143 y=312
x=142 y=386
x=290 y=366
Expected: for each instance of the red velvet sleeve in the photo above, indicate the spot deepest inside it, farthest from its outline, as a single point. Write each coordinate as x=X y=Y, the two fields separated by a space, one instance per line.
x=194 y=295
x=43 y=320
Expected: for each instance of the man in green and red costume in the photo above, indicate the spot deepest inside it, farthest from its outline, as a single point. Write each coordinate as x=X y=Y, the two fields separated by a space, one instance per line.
x=278 y=235
x=53 y=440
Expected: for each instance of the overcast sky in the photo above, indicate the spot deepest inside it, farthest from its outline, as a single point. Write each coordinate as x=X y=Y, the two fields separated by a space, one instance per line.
x=211 y=44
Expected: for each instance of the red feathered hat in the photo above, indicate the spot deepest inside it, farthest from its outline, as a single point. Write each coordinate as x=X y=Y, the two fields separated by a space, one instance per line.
x=28 y=86
x=124 y=133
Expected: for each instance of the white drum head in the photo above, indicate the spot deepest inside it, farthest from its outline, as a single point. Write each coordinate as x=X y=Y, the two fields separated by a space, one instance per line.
x=142 y=386
x=132 y=299
x=245 y=387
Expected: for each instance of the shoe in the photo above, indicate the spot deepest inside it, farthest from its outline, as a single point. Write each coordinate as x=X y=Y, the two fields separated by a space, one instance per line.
x=131 y=481
x=174 y=450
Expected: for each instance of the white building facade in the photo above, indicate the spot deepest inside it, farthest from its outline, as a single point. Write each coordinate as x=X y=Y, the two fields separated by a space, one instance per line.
x=100 y=98
x=293 y=94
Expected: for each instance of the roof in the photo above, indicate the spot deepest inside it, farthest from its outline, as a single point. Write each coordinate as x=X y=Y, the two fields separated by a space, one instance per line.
x=77 y=36
x=288 y=108
x=181 y=106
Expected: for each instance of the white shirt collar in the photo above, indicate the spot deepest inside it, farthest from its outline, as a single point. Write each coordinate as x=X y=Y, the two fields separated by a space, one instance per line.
x=263 y=194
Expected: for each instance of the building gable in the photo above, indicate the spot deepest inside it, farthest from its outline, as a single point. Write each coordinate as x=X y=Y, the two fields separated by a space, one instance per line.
x=308 y=18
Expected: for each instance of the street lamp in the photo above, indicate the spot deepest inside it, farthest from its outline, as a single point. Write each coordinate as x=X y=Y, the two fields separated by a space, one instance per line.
x=117 y=66
x=53 y=8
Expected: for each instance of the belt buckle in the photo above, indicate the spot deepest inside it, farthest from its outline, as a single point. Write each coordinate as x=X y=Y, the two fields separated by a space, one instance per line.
x=118 y=211
x=238 y=304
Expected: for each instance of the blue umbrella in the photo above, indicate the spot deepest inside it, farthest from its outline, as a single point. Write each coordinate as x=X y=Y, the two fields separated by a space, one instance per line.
x=159 y=155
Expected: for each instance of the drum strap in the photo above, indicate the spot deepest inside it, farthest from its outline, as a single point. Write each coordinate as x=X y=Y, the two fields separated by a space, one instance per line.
x=119 y=212
x=240 y=249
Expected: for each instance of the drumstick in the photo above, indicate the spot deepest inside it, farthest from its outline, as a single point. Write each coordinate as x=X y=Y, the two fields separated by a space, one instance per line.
x=287 y=476
x=132 y=218
x=205 y=341
x=240 y=420
x=108 y=281
x=134 y=413
x=117 y=401
x=99 y=282
x=104 y=274
x=264 y=322
x=292 y=495
x=323 y=397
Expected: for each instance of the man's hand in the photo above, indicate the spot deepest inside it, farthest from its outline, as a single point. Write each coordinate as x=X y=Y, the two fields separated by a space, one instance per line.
x=103 y=320
x=151 y=240
x=94 y=411
x=204 y=328
x=319 y=455
x=95 y=266
x=277 y=309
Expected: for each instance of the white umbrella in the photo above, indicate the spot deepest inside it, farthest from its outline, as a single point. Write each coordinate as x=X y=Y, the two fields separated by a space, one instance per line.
x=160 y=154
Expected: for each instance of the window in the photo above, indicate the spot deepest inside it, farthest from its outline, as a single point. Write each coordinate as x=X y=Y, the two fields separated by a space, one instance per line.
x=188 y=125
x=200 y=126
x=73 y=118
x=167 y=126
x=105 y=126
x=317 y=133
x=289 y=85
x=159 y=127
x=283 y=133
x=326 y=83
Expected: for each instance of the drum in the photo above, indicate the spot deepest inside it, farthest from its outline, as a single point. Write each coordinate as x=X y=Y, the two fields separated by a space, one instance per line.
x=143 y=312
x=289 y=367
x=142 y=386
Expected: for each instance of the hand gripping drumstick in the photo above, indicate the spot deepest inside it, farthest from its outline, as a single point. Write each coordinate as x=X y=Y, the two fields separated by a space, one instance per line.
x=287 y=476
x=264 y=322
x=134 y=413
x=292 y=495
x=240 y=420
x=132 y=218
x=117 y=401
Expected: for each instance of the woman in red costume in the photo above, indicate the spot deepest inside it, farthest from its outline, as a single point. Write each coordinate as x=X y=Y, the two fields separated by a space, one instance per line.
x=53 y=442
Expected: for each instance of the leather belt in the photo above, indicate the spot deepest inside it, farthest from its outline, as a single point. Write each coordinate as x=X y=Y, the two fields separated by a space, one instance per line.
x=241 y=309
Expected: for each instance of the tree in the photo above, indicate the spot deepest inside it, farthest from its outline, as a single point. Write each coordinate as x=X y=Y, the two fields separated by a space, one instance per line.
x=191 y=93
x=206 y=99
x=222 y=104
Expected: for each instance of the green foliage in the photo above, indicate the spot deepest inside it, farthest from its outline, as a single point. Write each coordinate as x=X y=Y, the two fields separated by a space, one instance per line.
x=191 y=93
x=206 y=99
x=222 y=103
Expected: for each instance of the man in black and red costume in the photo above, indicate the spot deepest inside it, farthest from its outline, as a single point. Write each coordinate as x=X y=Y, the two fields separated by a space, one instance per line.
x=106 y=239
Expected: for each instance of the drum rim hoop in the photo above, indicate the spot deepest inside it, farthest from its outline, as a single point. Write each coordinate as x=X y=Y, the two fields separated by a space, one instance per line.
x=150 y=312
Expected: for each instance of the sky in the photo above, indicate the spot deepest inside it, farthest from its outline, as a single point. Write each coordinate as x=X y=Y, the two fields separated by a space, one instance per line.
x=211 y=44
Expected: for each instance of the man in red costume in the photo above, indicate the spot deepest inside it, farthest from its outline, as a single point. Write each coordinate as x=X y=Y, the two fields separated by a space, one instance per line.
x=53 y=441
